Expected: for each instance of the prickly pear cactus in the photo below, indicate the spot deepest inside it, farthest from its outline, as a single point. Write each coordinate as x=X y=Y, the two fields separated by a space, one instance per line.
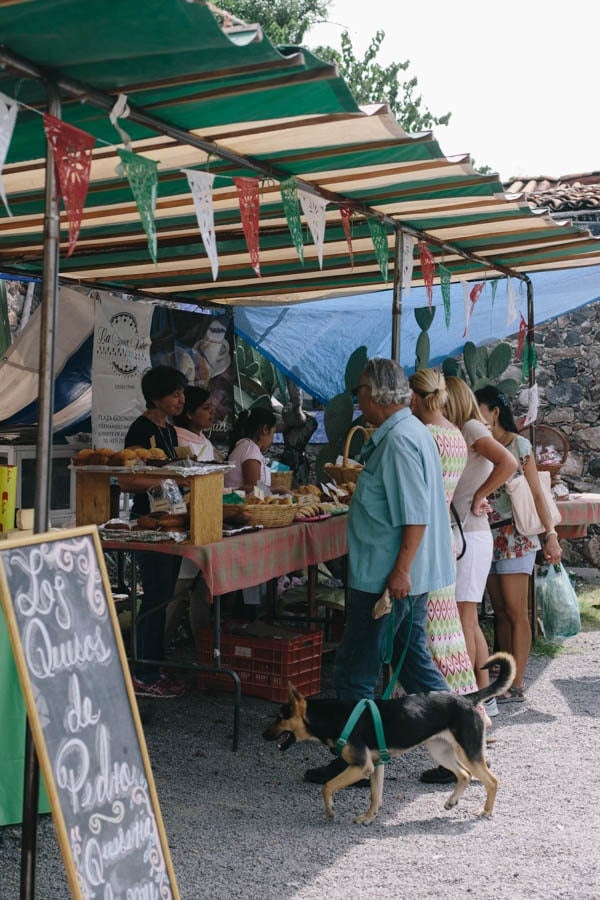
x=485 y=367
x=424 y=316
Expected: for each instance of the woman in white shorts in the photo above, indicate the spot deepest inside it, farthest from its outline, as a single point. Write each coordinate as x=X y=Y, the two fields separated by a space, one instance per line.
x=489 y=465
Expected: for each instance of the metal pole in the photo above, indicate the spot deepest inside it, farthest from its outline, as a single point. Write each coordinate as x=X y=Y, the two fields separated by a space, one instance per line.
x=43 y=471
x=531 y=382
x=397 y=295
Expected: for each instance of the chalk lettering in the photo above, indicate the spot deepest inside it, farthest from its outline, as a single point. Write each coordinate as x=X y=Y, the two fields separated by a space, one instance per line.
x=46 y=660
x=80 y=713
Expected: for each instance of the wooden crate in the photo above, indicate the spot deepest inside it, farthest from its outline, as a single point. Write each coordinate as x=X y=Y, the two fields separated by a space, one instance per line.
x=92 y=506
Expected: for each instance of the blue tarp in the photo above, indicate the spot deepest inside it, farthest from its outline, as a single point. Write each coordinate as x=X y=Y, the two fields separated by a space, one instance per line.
x=312 y=342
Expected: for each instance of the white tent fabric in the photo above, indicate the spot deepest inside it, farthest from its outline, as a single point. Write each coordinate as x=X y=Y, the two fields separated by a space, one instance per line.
x=20 y=365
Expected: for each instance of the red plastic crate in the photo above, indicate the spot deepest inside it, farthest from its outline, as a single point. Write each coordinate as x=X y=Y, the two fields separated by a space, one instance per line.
x=265 y=664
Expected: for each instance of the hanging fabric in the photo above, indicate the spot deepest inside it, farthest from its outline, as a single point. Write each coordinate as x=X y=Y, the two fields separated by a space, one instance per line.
x=291 y=208
x=346 y=213
x=313 y=208
x=142 y=175
x=247 y=189
x=445 y=279
x=201 y=186
x=380 y=243
x=72 y=149
x=427 y=269
x=8 y=117
x=533 y=401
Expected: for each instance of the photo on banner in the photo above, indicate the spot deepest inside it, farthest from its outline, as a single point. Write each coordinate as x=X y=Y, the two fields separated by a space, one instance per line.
x=130 y=337
x=201 y=346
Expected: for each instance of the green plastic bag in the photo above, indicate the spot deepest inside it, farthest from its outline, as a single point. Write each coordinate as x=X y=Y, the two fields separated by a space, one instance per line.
x=558 y=604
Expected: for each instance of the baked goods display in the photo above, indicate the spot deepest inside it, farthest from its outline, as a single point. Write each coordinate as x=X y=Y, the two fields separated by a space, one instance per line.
x=164 y=521
x=129 y=456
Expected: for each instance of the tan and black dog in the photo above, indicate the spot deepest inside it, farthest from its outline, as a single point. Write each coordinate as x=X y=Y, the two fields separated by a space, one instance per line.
x=447 y=724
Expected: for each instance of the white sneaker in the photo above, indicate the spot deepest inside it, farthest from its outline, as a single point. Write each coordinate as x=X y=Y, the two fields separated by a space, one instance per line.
x=491 y=707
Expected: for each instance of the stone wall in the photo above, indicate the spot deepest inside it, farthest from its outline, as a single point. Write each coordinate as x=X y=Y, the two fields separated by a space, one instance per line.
x=568 y=374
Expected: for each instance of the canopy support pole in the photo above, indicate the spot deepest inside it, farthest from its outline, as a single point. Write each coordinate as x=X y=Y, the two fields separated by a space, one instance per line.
x=531 y=382
x=397 y=295
x=43 y=469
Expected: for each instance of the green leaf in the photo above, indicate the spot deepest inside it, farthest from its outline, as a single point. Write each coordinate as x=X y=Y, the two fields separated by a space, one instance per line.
x=424 y=317
x=338 y=419
x=509 y=386
x=354 y=367
x=422 y=351
x=499 y=359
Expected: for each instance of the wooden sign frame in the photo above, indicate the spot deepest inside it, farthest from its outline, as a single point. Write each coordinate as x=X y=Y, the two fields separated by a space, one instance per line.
x=101 y=788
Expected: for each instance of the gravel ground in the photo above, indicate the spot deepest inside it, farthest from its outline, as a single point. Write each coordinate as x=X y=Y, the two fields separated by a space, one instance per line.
x=244 y=825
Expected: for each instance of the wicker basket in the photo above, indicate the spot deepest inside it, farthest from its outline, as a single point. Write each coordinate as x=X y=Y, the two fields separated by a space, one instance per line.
x=345 y=473
x=281 y=481
x=546 y=436
x=271 y=515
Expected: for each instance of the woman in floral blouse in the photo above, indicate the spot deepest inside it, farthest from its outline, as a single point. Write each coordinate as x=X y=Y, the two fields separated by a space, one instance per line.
x=514 y=553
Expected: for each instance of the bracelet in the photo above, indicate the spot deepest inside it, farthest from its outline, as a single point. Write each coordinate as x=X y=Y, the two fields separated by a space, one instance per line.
x=548 y=533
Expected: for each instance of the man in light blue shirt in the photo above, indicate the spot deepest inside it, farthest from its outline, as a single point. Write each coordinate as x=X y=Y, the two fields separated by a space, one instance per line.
x=398 y=537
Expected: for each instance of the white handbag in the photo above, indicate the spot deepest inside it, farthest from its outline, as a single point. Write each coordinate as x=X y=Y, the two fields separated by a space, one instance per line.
x=525 y=514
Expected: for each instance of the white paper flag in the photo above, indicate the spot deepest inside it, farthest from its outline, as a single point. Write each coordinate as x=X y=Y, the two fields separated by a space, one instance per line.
x=8 y=116
x=201 y=186
x=408 y=261
x=313 y=208
x=533 y=402
x=511 y=307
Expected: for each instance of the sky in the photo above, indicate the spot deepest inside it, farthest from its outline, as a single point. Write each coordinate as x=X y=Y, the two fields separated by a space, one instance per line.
x=521 y=79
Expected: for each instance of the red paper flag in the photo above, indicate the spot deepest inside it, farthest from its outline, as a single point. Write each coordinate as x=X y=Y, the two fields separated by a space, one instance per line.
x=346 y=213
x=72 y=149
x=522 y=336
x=427 y=269
x=247 y=189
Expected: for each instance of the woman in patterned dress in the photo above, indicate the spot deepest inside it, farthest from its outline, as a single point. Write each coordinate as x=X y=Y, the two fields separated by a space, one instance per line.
x=444 y=628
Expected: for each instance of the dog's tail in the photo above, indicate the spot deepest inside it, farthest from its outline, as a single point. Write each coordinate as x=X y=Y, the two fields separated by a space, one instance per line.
x=507 y=668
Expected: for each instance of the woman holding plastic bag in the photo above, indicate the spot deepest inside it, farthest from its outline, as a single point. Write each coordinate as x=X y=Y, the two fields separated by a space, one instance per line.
x=514 y=553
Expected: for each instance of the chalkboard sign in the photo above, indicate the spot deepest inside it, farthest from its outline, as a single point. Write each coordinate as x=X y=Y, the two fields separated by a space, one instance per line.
x=83 y=716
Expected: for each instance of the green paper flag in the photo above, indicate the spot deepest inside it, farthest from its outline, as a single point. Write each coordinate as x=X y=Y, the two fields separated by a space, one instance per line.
x=379 y=238
x=529 y=360
x=445 y=278
x=142 y=175
x=494 y=283
x=291 y=208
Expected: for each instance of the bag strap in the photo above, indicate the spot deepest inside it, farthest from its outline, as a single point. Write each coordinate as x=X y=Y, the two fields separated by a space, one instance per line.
x=458 y=524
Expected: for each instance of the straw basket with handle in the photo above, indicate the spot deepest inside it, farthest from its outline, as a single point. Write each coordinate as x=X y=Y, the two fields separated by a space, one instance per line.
x=281 y=481
x=270 y=515
x=344 y=473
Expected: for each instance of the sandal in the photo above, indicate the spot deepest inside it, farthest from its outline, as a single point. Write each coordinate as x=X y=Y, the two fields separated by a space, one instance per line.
x=513 y=695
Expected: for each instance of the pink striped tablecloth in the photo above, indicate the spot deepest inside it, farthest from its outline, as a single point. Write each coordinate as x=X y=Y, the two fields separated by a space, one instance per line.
x=579 y=511
x=248 y=559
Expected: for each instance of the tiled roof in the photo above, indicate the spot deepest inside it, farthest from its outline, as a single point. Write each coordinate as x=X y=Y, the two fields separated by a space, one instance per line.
x=566 y=194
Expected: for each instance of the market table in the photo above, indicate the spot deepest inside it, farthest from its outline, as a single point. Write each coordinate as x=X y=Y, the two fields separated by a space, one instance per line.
x=244 y=560
x=579 y=511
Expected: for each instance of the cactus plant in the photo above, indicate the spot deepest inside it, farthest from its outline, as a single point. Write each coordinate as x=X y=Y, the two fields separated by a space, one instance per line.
x=483 y=367
x=424 y=316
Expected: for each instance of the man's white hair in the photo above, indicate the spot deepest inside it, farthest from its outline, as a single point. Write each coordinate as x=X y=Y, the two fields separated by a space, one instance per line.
x=389 y=385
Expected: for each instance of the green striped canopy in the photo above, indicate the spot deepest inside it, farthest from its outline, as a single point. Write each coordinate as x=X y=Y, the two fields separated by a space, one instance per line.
x=261 y=111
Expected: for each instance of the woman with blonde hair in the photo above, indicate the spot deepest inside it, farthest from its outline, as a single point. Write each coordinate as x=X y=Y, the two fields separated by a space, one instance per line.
x=514 y=553
x=444 y=628
x=488 y=466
